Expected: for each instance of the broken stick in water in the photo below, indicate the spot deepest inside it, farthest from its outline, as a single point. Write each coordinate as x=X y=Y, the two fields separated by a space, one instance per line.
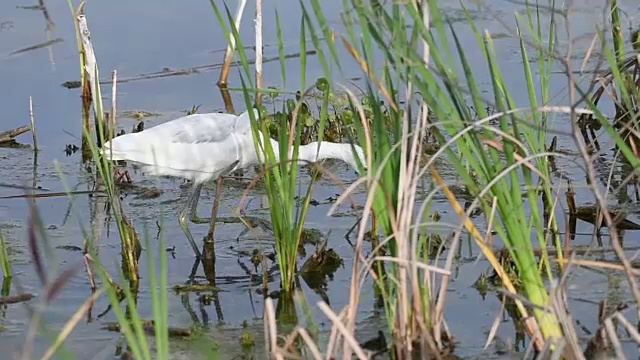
x=91 y=70
x=13 y=299
x=90 y=66
x=9 y=137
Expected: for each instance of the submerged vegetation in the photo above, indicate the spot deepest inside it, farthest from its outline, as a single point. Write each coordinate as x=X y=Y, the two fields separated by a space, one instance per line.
x=424 y=100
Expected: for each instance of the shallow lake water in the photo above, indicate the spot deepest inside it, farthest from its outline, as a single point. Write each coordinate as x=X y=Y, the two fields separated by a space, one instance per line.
x=145 y=37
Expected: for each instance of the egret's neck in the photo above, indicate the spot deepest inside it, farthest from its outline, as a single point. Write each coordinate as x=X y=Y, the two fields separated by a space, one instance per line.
x=315 y=151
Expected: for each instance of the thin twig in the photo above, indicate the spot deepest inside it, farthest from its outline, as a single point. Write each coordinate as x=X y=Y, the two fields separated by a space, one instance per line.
x=614 y=339
x=228 y=56
x=333 y=336
x=496 y=323
x=259 y=51
x=309 y=340
x=92 y=279
x=601 y=265
x=114 y=92
x=417 y=264
x=33 y=125
x=71 y=324
x=270 y=325
x=346 y=334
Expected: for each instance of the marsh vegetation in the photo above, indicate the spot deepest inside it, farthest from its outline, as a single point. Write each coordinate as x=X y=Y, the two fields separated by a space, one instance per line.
x=493 y=214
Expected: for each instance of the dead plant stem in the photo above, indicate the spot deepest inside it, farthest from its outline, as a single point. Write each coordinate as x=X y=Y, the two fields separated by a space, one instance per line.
x=259 y=51
x=33 y=125
x=114 y=94
x=228 y=56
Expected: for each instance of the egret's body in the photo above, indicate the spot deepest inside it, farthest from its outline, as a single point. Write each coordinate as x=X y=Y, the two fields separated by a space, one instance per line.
x=203 y=147
x=187 y=147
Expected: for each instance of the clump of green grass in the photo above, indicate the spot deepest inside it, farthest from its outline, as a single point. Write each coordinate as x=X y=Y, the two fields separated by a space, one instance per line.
x=280 y=169
x=5 y=262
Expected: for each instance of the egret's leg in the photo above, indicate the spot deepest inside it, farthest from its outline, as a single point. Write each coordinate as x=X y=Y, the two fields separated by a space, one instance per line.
x=192 y=203
x=193 y=213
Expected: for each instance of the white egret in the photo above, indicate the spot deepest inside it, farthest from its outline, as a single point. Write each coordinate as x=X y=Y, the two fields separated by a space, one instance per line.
x=203 y=147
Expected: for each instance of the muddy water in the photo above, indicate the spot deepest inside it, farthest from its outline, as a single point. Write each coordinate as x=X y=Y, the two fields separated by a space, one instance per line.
x=138 y=38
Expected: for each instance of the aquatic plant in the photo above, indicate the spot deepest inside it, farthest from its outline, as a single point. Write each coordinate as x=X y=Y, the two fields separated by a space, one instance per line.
x=5 y=262
x=280 y=173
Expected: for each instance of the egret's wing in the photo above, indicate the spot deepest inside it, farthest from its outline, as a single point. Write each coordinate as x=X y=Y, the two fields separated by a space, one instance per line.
x=197 y=161
x=199 y=146
x=196 y=128
x=192 y=129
